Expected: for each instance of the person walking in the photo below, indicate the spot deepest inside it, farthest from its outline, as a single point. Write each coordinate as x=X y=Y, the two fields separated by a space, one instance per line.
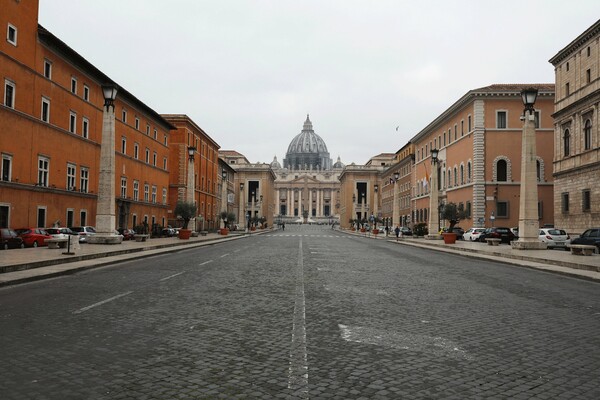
x=397 y=230
x=283 y=226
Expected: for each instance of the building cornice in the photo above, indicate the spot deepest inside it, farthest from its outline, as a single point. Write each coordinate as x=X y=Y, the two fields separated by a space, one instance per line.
x=577 y=43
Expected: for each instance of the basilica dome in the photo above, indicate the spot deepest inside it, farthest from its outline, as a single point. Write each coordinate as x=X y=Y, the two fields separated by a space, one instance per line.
x=307 y=150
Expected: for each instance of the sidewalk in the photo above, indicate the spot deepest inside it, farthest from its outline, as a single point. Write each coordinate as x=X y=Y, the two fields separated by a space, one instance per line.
x=30 y=264
x=25 y=265
x=555 y=261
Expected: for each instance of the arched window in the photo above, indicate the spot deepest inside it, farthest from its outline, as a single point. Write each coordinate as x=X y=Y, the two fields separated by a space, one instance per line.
x=567 y=143
x=501 y=171
x=538 y=169
x=587 y=134
x=462 y=174
x=449 y=178
x=455 y=176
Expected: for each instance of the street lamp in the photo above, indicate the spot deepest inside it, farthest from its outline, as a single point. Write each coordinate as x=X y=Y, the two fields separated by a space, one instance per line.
x=528 y=202
x=242 y=207
x=434 y=223
x=105 y=214
x=396 y=205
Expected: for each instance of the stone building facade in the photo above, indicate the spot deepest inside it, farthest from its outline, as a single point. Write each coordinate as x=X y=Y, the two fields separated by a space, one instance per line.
x=479 y=143
x=576 y=138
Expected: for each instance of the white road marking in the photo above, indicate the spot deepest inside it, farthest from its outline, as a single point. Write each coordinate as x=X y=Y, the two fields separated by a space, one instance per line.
x=225 y=255
x=172 y=276
x=101 y=302
x=404 y=341
x=205 y=262
x=298 y=369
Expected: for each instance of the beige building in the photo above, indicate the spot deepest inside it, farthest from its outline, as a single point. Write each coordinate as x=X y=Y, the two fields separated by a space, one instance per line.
x=479 y=143
x=395 y=188
x=358 y=198
x=576 y=139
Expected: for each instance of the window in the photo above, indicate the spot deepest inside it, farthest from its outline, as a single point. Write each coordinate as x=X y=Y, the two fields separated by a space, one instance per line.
x=156 y=135
x=84 y=179
x=462 y=128
x=136 y=190
x=154 y=156
x=137 y=123
x=462 y=174
x=444 y=138
x=567 y=89
x=538 y=170
x=147 y=156
x=165 y=139
x=123 y=144
x=47 y=69
x=72 y=122
x=70 y=217
x=468 y=209
x=45 y=110
x=536 y=119
x=501 y=171
x=146 y=192
x=43 y=170
x=501 y=119
x=564 y=202
x=589 y=51
x=124 y=116
x=455 y=177
x=587 y=134
x=86 y=93
x=136 y=151
x=147 y=129
x=85 y=127
x=586 y=200
x=9 y=94
x=567 y=66
x=502 y=209
x=540 y=210
x=83 y=217
x=6 y=168
x=449 y=136
x=73 y=85
x=469 y=172
x=123 y=187
x=71 y=174
x=164 y=163
x=11 y=35
x=566 y=143
x=154 y=194
x=449 y=178
x=164 y=196
x=469 y=123
x=455 y=131
x=588 y=75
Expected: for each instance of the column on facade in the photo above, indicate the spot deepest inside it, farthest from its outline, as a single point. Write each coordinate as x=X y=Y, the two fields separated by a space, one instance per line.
x=319 y=197
x=278 y=202
x=310 y=199
x=291 y=201
x=299 y=203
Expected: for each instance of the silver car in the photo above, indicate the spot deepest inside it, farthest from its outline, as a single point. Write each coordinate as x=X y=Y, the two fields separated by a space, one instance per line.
x=84 y=232
x=555 y=238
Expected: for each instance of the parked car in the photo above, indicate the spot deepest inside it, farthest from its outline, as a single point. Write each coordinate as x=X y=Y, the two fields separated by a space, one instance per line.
x=10 y=240
x=498 y=232
x=457 y=229
x=33 y=237
x=83 y=232
x=405 y=231
x=555 y=238
x=127 y=233
x=515 y=231
x=589 y=237
x=473 y=234
x=168 y=232
x=60 y=232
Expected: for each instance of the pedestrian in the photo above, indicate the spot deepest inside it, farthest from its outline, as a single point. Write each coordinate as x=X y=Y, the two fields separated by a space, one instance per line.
x=283 y=226
x=397 y=230
x=387 y=231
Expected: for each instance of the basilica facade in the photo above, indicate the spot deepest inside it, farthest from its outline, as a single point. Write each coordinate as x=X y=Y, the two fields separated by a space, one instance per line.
x=307 y=186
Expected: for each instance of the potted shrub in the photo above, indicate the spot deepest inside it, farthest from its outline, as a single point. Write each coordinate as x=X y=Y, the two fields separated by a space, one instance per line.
x=452 y=213
x=224 y=217
x=420 y=229
x=352 y=224
x=185 y=211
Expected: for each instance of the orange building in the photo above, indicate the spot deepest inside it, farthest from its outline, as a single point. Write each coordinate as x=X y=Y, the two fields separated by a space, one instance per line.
x=50 y=133
x=479 y=143
x=206 y=172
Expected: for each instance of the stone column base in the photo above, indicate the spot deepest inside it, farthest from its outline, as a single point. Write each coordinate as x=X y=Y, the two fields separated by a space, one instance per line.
x=102 y=238
x=528 y=245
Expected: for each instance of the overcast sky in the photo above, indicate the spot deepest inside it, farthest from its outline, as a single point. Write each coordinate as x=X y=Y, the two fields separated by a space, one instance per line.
x=248 y=72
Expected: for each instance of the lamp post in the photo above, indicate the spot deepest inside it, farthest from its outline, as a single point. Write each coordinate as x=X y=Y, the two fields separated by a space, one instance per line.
x=105 y=214
x=190 y=196
x=434 y=223
x=242 y=208
x=528 y=203
x=396 y=205
x=252 y=199
x=354 y=206
x=376 y=203
x=224 y=194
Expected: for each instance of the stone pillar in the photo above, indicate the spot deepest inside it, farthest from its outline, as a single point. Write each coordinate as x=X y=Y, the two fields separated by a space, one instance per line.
x=310 y=199
x=528 y=204
x=434 y=223
x=105 y=208
x=190 y=195
x=241 y=212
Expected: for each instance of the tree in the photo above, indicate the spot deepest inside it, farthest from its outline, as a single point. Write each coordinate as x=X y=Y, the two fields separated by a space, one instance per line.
x=231 y=218
x=185 y=211
x=453 y=213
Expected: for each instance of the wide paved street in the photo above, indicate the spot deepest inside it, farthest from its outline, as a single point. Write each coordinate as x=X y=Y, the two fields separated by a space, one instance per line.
x=308 y=312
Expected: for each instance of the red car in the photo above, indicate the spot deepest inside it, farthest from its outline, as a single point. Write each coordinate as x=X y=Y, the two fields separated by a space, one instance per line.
x=33 y=237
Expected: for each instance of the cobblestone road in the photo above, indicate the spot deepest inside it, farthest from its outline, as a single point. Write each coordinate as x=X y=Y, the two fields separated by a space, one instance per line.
x=303 y=313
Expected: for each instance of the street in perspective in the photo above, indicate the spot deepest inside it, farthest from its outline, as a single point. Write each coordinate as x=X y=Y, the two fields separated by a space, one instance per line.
x=307 y=312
